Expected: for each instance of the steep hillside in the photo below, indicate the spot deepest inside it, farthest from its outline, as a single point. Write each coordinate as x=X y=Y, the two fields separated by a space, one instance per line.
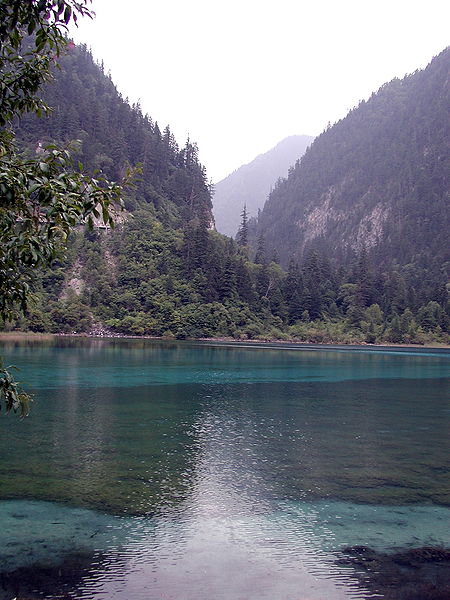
x=112 y=135
x=378 y=178
x=250 y=184
x=164 y=271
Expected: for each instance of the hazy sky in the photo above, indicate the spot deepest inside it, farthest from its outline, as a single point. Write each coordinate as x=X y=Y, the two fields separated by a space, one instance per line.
x=239 y=76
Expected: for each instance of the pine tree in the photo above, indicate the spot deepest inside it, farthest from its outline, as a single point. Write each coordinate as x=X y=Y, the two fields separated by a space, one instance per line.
x=242 y=235
x=260 y=256
x=364 y=279
x=313 y=278
x=244 y=282
x=292 y=291
x=227 y=285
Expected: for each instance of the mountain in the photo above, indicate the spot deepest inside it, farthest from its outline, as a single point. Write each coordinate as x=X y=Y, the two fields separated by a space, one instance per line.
x=112 y=136
x=378 y=179
x=164 y=271
x=250 y=184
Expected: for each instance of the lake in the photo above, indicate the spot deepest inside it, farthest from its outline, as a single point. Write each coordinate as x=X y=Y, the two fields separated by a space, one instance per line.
x=207 y=471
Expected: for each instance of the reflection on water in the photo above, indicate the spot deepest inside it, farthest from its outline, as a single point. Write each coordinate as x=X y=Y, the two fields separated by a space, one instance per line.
x=193 y=471
x=84 y=363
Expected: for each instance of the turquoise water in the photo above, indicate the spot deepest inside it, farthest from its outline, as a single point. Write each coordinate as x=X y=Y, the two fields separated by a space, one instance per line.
x=203 y=471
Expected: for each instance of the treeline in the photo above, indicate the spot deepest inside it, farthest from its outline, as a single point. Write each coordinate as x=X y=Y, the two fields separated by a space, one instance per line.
x=145 y=279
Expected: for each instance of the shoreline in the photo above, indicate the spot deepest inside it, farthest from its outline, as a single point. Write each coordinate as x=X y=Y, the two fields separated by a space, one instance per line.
x=23 y=335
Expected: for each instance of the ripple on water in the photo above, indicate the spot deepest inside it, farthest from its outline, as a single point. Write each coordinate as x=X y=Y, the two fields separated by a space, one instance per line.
x=288 y=547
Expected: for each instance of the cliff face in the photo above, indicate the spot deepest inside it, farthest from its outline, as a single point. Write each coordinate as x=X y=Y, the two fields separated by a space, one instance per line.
x=378 y=178
x=251 y=184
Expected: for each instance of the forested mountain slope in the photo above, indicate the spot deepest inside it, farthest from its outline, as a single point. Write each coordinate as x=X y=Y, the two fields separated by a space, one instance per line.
x=250 y=184
x=164 y=271
x=112 y=135
x=378 y=178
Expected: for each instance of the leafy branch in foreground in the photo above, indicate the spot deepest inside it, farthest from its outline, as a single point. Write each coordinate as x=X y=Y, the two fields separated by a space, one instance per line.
x=32 y=36
x=14 y=399
x=41 y=201
x=41 y=198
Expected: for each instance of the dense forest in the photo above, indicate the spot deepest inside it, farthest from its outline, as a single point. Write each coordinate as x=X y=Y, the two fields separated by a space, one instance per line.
x=164 y=270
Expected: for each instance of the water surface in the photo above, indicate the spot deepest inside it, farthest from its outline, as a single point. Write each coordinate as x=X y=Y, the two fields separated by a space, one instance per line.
x=200 y=471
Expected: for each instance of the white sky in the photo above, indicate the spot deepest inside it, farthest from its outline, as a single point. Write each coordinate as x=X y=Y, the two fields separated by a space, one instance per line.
x=239 y=76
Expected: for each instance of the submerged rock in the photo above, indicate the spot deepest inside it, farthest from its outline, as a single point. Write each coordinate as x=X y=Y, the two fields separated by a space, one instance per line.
x=415 y=574
x=40 y=581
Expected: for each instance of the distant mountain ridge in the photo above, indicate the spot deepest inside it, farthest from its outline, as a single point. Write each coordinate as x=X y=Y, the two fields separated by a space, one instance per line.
x=250 y=184
x=378 y=179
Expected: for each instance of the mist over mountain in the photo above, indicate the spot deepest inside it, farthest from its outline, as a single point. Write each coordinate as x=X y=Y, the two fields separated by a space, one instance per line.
x=250 y=184
x=378 y=179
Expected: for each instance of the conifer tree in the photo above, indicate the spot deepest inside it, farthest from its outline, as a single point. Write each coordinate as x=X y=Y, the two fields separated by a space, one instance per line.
x=242 y=235
x=260 y=256
x=292 y=291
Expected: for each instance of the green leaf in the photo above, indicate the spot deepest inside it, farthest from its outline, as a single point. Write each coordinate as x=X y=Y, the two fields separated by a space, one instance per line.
x=67 y=14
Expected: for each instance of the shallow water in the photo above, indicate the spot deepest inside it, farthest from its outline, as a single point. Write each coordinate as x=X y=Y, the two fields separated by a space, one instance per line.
x=202 y=471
